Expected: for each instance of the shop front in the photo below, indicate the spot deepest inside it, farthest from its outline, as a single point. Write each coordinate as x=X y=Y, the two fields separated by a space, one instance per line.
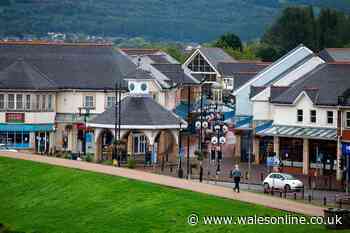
x=26 y=136
x=302 y=150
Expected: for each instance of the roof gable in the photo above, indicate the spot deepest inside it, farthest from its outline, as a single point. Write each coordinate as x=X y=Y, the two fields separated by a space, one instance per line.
x=138 y=112
x=278 y=68
x=21 y=75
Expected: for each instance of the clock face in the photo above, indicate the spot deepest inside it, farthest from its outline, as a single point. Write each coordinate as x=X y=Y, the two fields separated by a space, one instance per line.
x=143 y=87
x=131 y=87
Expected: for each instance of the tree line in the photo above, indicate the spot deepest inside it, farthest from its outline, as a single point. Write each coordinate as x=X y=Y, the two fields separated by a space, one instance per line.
x=326 y=28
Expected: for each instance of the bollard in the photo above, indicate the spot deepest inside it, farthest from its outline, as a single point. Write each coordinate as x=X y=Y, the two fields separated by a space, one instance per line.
x=309 y=179
x=262 y=177
x=285 y=194
x=280 y=194
x=303 y=194
x=309 y=197
x=295 y=196
x=324 y=201
x=272 y=191
x=340 y=204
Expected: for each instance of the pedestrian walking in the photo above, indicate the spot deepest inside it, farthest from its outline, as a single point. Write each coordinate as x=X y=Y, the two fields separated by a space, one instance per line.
x=236 y=174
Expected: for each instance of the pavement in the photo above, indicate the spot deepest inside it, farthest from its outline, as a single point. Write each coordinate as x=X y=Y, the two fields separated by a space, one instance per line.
x=192 y=185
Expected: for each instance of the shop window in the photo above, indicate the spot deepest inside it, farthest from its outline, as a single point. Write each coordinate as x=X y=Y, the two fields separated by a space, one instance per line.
x=291 y=149
x=140 y=144
x=300 y=115
x=330 y=117
x=28 y=103
x=313 y=116
x=89 y=101
x=2 y=101
x=19 y=101
x=11 y=101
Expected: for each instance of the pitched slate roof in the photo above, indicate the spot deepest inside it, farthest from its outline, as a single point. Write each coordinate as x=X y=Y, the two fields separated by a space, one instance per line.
x=277 y=91
x=232 y=68
x=139 y=111
x=255 y=90
x=216 y=55
x=323 y=85
x=175 y=73
x=140 y=74
x=139 y=51
x=21 y=75
x=335 y=54
x=241 y=79
x=155 y=55
x=70 y=66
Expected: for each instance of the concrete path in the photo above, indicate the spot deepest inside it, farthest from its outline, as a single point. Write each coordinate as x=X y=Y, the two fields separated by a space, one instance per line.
x=219 y=191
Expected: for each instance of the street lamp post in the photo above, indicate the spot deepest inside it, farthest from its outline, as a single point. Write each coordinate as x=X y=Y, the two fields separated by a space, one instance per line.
x=85 y=112
x=117 y=122
x=180 y=170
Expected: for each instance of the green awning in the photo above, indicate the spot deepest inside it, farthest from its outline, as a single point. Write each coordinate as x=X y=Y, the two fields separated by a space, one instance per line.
x=27 y=127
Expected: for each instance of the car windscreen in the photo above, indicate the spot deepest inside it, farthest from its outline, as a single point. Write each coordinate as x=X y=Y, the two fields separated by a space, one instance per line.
x=288 y=177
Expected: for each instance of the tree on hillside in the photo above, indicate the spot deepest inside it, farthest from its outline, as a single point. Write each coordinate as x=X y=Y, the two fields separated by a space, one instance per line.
x=334 y=29
x=296 y=25
x=299 y=25
x=229 y=40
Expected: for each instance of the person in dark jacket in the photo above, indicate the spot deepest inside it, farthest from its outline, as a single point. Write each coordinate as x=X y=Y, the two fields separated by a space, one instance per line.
x=236 y=174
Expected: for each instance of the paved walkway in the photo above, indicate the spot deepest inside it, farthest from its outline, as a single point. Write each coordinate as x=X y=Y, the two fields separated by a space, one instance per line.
x=225 y=192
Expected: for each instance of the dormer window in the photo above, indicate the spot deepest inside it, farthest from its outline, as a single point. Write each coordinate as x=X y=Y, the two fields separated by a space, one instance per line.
x=313 y=116
x=300 y=115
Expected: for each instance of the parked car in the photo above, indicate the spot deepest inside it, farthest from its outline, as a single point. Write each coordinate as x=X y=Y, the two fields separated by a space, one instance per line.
x=3 y=147
x=282 y=181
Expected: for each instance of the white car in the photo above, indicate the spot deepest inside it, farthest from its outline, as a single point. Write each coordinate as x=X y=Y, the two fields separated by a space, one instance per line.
x=282 y=181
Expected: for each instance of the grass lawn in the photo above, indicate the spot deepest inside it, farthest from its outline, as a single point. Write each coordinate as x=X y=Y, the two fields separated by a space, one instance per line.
x=47 y=199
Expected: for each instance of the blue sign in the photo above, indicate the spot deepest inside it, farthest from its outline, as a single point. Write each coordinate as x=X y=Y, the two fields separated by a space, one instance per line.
x=272 y=161
x=346 y=149
x=182 y=152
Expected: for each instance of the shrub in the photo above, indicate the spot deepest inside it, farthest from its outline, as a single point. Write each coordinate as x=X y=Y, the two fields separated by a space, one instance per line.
x=131 y=163
x=199 y=155
x=89 y=157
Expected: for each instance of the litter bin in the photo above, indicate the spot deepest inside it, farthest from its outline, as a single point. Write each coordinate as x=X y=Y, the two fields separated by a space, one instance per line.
x=331 y=215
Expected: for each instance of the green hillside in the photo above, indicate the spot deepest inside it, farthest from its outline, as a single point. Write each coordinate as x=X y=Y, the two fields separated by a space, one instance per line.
x=181 y=20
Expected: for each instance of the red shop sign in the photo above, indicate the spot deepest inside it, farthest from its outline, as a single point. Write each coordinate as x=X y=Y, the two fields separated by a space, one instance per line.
x=14 y=117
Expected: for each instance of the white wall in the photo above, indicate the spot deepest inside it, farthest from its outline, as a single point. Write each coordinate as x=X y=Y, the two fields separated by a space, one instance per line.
x=287 y=114
x=71 y=101
x=261 y=110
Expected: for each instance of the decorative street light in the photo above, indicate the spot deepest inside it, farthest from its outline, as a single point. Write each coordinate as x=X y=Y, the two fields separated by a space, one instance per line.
x=85 y=112
x=117 y=123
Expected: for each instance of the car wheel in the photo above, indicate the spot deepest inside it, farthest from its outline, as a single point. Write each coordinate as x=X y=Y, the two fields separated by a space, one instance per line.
x=266 y=187
x=287 y=188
